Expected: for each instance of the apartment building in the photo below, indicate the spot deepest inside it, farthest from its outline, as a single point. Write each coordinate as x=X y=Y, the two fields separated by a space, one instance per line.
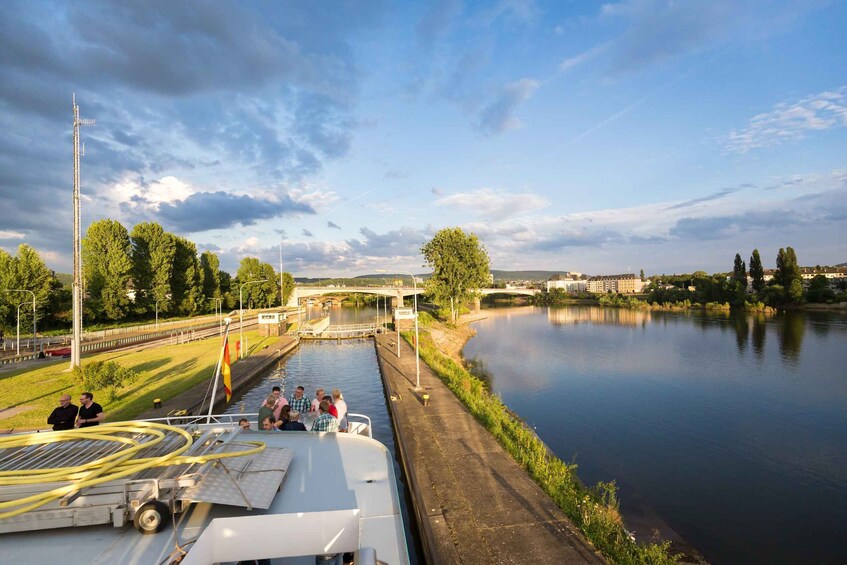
x=624 y=284
x=569 y=282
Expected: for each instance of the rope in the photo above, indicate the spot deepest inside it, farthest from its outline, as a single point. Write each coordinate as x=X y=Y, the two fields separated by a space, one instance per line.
x=104 y=469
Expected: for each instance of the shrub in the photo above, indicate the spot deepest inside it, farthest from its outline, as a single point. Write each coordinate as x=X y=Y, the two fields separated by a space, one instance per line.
x=106 y=376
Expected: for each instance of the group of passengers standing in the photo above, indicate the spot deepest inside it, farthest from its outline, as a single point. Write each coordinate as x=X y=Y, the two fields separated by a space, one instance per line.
x=278 y=413
x=68 y=416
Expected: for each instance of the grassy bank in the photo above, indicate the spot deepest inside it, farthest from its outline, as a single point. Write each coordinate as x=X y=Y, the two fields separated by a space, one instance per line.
x=164 y=372
x=593 y=510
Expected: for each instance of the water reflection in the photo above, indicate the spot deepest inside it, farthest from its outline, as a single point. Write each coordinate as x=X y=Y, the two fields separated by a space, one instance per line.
x=597 y=315
x=742 y=332
x=758 y=336
x=792 y=326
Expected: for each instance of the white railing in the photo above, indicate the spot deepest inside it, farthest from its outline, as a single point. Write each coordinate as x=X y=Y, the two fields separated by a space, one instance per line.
x=358 y=424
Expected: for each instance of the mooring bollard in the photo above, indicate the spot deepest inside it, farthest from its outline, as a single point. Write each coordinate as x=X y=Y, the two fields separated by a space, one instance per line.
x=157 y=403
x=426 y=399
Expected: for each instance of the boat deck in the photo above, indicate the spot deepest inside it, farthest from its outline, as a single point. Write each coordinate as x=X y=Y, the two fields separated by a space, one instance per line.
x=339 y=494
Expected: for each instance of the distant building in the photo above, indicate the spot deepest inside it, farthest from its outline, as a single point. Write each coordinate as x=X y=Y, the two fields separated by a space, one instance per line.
x=569 y=282
x=834 y=276
x=624 y=284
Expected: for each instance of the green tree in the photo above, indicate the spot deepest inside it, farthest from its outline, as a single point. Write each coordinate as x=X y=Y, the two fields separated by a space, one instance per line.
x=787 y=272
x=254 y=295
x=187 y=279
x=107 y=268
x=153 y=255
x=210 y=265
x=641 y=275
x=287 y=287
x=25 y=271
x=460 y=266
x=270 y=288
x=819 y=290
x=739 y=271
x=227 y=283
x=757 y=272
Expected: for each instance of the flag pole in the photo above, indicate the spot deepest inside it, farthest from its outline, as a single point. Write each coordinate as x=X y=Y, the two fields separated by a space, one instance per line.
x=227 y=321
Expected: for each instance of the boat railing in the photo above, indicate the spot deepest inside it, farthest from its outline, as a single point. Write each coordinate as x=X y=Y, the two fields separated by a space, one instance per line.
x=359 y=424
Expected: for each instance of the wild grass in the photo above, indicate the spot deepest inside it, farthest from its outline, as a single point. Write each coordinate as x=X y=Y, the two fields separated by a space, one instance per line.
x=164 y=372
x=593 y=510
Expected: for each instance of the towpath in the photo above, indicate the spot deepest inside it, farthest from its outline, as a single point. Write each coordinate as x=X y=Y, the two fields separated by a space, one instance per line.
x=473 y=502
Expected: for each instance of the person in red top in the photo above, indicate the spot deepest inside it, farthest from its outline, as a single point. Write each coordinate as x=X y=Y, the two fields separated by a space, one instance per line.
x=332 y=409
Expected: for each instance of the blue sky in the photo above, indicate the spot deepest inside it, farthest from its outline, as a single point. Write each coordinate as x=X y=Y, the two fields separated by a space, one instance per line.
x=582 y=136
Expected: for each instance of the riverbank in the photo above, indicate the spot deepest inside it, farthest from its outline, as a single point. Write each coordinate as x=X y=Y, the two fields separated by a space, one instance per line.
x=473 y=502
x=595 y=511
x=176 y=374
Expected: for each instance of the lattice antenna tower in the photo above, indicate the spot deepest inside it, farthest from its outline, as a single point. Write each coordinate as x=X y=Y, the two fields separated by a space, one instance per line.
x=77 y=285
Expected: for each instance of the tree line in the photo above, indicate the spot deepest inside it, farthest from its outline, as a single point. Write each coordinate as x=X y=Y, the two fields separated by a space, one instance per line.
x=745 y=284
x=131 y=275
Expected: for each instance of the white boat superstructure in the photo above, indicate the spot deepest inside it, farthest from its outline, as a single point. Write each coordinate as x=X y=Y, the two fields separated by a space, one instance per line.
x=306 y=494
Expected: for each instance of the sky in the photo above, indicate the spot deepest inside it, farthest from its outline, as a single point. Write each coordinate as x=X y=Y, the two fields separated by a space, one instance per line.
x=568 y=136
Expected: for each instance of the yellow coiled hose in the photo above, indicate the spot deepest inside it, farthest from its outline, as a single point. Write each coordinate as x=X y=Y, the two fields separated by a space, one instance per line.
x=107 y=468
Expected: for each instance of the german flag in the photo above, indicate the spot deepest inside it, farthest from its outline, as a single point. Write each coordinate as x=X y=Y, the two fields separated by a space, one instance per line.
x=226 y=372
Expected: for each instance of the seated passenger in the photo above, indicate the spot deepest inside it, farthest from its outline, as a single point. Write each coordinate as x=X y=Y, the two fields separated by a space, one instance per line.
x=267 y=410
x=293 y=424
x=332 y=409
x=326 y=422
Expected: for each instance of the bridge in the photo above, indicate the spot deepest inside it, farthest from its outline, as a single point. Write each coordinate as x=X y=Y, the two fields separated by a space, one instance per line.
x=396 y=293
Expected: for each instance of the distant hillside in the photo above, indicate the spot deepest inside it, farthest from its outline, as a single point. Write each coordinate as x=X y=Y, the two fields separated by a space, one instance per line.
x=841 y=265
x=65 y=278
x=524 y=275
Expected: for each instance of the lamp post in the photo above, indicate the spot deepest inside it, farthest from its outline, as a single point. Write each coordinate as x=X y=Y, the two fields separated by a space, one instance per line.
x=417 y=344
x=241 y=315
x=157 y=312
x=219 y=312
x=19 y=318
x=18 y=346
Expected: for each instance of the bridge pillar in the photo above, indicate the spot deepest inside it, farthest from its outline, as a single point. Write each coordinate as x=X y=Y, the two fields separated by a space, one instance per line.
x=476 y=304
x=397 y=302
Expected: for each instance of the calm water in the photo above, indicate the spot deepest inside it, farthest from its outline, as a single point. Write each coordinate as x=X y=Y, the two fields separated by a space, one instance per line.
x=733 y=429
x=349 y=365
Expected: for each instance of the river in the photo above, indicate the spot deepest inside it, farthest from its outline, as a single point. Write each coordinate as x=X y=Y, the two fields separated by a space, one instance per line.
x=730 y=428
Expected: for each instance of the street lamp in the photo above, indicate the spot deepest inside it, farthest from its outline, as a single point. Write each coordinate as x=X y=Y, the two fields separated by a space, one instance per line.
x=219 y=311
x=19 y=318
x=157 y=312
x=417 y=343
x=241 y=315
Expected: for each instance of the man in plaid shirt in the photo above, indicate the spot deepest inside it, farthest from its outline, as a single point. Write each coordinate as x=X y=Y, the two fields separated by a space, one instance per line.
x=326 y=422
x=299 y=401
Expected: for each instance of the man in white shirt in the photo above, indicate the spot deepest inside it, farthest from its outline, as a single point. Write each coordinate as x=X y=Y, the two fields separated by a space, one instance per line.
x=341 y=406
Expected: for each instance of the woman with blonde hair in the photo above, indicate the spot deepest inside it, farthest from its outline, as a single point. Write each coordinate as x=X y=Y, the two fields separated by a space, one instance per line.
x=341 y=406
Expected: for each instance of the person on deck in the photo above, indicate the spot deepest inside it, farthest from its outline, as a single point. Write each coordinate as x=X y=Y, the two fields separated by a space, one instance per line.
x=341 y=407
x=63 y=416
x=90 y=413
x=293 y=424
x=326 y=422
x=268 y=425
x=332 y=409
x=284 y=416
x=244 y=423
x=316 y=401
x=299 y=402
x=280 y=401
x=267 y=410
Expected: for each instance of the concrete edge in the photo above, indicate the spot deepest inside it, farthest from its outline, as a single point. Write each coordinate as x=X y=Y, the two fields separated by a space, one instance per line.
x=428 y=537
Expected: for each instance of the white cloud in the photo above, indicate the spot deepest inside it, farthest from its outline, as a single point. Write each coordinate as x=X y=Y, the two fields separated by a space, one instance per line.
x=167 y=189
x=493 y=204
x=6 y=234
x=581 y=58
x=791 y=122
